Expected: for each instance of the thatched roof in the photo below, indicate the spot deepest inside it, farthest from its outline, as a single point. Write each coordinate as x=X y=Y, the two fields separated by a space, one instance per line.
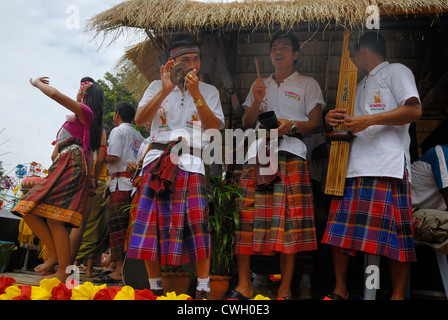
x=162 y=15
x=252 y=23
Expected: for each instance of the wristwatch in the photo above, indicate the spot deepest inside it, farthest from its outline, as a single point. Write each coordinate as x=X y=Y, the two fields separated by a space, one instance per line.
x=293 y=128
x=199 y=102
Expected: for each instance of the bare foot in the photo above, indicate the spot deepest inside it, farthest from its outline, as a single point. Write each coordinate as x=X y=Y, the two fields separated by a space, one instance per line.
x=61 y=275
x=89 y=273
x=46 y=268
x=115 y=275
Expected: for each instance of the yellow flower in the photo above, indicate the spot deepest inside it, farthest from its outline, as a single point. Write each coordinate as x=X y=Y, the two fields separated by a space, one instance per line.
x=173 y=296
x=11 y=292
x=126 y=293
x=39 y=293
x=34 y=293
x=49 y=284
x=86 y=291
x=260 y=297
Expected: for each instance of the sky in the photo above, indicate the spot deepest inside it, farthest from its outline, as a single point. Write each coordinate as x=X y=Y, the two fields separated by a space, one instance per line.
x=47 y=38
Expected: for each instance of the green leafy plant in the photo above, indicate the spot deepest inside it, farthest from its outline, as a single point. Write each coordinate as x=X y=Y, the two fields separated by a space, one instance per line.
x=223 y=219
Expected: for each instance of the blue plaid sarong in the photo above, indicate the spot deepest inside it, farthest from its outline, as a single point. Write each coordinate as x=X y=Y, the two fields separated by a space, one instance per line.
x=373 y=216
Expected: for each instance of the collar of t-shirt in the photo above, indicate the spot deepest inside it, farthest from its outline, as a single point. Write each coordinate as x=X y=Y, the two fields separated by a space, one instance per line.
x=291 y=77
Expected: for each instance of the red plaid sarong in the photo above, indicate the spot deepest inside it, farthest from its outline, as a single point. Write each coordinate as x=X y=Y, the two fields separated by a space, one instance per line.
x=62 y=195
x=172 y=227
x=118 y=223
x=373 y=216
x=282 y=217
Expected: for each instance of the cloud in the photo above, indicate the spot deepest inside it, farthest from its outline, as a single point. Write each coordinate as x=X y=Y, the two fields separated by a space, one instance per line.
x=40 y=38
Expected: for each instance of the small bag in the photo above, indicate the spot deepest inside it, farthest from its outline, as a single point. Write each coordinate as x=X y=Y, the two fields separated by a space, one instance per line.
x=268 y=120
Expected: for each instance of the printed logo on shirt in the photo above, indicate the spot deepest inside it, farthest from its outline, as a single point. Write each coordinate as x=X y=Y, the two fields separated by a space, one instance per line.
x=134 y=147
x=378 y=105
x=163 y=118
x=195 y=123
x=292 y=95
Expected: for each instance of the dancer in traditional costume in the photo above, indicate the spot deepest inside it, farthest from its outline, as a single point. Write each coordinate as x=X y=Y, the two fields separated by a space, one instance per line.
x=58 y=203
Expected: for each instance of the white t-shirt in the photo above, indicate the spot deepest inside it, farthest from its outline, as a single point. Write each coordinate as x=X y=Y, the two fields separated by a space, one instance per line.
x=429 y=176
x=293 y=99
x=381 y=151
x=178 y=116
x=124 y=143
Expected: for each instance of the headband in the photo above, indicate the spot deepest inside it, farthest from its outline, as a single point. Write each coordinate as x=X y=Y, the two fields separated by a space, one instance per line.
x=180 y=51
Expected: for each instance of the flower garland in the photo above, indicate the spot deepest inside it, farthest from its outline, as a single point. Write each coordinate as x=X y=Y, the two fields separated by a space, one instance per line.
x=85 y=86
x=53 y=289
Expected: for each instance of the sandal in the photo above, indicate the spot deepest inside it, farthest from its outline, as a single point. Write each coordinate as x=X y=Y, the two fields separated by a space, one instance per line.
x=236 y=295
x=107 y=279
x=333 y=296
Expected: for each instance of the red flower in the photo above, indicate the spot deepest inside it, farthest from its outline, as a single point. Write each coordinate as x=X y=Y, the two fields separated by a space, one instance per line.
x=145 y=294
x=107 y=293
x=25 y=293
x=5 y=282
x=61 y=292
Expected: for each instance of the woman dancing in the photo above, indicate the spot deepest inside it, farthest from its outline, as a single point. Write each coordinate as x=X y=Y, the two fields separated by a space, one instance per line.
x=57 y=204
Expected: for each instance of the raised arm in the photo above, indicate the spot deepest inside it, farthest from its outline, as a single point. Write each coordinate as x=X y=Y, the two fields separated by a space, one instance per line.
x=43 y=84
x=146 y=113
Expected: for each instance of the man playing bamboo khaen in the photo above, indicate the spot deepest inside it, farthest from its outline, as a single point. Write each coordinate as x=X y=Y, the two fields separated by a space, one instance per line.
x=374 y=215
x=171 y=225
x=280 y=218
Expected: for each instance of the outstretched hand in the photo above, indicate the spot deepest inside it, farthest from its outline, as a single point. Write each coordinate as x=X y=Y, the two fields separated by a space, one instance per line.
x=45 y=80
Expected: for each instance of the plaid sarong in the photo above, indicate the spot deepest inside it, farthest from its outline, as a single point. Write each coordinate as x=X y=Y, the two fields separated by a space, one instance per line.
x=373 y=216
x=62 y=195
x=172 y=228
x=118 y=223
x=280 y=218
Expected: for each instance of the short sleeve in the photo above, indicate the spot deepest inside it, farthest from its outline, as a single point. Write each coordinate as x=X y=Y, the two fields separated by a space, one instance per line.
x=150 y=92
x=402 y=83
x=313 y=95
x=115 y=143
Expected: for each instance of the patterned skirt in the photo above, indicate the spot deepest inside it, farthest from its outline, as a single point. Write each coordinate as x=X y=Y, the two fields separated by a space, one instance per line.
x=95 y=239
x=280 y=217
x=172 y=228
x=373 y=216
x=118 y=223
x=62 y=195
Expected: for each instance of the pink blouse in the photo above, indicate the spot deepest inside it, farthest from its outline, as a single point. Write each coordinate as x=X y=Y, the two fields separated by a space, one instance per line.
x=74 y=128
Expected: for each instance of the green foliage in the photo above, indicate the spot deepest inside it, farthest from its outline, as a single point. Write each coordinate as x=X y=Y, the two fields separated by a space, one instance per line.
x=223 y=219
x=115 y=92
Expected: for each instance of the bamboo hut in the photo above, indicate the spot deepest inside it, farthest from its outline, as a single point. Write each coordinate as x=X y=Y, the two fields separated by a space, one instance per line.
x=233 y=33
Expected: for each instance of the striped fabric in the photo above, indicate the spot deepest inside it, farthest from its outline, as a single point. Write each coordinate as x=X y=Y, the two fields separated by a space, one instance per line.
x=373 y=216
x=133 y=211
x=172 y=228
x=280 y=218
x=62 y=195
x=118 y=223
